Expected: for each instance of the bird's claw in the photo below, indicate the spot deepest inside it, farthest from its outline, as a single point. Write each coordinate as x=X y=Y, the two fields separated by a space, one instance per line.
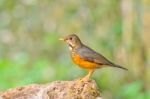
x=85 y=79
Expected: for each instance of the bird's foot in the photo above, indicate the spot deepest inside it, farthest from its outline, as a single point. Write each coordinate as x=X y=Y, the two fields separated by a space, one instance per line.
x=85 y=79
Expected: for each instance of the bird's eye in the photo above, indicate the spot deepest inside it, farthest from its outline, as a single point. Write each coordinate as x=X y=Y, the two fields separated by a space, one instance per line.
x=70 y=38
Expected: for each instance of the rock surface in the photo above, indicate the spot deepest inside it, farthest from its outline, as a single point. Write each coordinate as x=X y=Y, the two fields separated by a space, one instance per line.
x=55 y=90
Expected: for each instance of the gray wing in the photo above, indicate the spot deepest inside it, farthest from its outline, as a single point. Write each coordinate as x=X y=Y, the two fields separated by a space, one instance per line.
x=92 y=56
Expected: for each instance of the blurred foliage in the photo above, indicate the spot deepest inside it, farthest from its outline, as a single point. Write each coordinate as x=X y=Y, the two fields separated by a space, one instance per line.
x=30 y=51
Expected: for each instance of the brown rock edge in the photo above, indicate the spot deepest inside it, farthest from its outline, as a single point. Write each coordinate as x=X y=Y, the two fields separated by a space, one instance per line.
x=56 y=90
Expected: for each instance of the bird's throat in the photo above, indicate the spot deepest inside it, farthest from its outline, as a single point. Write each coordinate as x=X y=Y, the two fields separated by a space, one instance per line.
x=70 y=47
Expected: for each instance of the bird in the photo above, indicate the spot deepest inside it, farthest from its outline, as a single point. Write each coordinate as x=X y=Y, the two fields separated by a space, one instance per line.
x=85 y=57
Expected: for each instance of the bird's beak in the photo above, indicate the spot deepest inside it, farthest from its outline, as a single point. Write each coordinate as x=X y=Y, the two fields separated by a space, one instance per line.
x=62 y=39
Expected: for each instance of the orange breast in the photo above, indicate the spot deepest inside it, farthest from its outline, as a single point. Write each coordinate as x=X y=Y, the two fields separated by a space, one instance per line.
x=83 y=63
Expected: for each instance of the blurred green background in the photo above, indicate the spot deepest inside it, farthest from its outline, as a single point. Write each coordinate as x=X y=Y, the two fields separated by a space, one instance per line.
x=30 y=51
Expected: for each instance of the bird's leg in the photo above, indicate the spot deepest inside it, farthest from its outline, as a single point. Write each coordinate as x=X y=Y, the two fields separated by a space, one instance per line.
x=87 y=77
x=90 y=72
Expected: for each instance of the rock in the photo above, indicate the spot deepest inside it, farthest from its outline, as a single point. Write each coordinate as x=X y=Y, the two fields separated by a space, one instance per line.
x=55 y=90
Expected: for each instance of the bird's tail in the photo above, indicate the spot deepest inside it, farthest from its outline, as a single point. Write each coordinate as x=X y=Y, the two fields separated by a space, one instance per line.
x=118 y=66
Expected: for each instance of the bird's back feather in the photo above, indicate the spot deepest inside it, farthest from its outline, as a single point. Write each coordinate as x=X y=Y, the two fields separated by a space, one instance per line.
x=92 y=56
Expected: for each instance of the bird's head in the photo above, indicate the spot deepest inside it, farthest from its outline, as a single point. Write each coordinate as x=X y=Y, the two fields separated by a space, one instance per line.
x=72 y=40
